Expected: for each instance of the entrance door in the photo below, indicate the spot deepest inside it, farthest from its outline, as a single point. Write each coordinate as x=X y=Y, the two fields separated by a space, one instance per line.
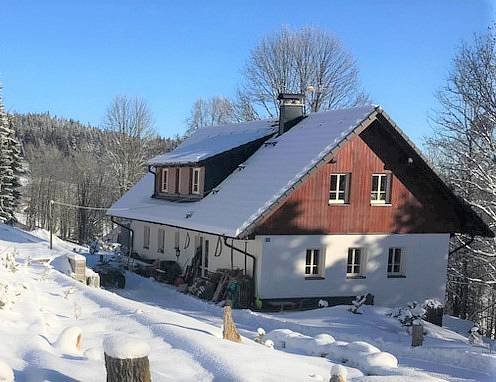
x=202 y=249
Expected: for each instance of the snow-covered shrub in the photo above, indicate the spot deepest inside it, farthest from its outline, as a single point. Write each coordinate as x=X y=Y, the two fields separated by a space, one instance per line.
x=5 y=295
x=475 y=336
x=269 y=344
x=7 y=261
x=69 y=291
x=357 y=303
x=410 y=315
x=77 y=310
x=432 y=303
x=299 y=343
x=260 y=338
x=323 y=304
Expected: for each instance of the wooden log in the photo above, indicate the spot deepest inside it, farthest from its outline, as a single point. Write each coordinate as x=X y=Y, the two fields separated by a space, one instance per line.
x=127 y=370
x=126 y=359
x=230 y=332
x=417 y=335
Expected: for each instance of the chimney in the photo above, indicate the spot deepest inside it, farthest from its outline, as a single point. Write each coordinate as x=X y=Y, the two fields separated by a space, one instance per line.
x=290 y=110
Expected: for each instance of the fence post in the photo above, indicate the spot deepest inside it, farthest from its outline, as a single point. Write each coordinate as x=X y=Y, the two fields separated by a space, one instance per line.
x=230 y=332
x=338 y=374
x=417 y=335
x=126 y=359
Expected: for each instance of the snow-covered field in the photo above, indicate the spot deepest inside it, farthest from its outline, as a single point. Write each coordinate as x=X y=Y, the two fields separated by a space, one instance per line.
x=185 y=334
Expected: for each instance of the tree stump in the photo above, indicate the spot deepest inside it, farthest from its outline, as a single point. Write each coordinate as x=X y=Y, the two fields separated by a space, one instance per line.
x=126 y=359
x=417 y=335
x=127 y=370
x=338 y=374
x=230 y=332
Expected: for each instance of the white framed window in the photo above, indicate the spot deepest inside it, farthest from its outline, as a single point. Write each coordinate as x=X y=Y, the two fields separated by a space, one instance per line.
x=195 y=183
x=314 y=263
x=339 y=190
x=146 y=237
x=355 y=266
x=177 y=237
x=396 y=262
x=161 y=240
x=165 y=180
x=380 y=192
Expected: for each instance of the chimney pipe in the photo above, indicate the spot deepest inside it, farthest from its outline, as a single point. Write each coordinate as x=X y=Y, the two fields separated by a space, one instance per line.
x=291 y=107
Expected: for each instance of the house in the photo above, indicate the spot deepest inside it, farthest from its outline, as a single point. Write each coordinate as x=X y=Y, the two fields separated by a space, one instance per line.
x=326 y=205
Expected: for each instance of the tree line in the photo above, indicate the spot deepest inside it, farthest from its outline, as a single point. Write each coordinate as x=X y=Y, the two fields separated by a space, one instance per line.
x=82 y=165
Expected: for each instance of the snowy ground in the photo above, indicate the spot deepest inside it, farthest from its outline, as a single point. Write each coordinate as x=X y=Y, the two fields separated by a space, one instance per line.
x=184 y=333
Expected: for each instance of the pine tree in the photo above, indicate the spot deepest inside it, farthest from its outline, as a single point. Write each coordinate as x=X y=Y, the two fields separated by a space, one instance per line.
x=10 y=166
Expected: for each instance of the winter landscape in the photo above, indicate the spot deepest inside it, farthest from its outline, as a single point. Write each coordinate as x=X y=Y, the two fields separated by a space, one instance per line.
x=248 y=191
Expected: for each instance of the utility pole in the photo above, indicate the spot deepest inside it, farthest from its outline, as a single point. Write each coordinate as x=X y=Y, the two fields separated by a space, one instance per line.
x=50 y=222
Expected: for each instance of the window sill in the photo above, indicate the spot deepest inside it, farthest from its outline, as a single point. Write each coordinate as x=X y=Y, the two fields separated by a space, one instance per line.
x=381 y=204
x=334 y=203
x=396 y=276
x=314 y=278
x=355 y=277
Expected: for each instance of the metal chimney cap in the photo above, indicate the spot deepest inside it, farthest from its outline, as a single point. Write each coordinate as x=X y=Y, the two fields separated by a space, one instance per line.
x=293 y=96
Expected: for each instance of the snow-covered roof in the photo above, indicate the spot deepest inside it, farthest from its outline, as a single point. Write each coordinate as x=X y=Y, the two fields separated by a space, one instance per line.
x=250 y=190
x=207 y=142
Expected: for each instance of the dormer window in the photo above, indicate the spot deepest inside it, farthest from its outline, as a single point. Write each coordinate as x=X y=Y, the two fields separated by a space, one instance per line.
x=195 y=188
x=165 y=180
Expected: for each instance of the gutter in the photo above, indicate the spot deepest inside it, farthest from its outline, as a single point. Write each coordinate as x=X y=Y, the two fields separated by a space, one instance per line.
x=131 y=237
x=154 y=178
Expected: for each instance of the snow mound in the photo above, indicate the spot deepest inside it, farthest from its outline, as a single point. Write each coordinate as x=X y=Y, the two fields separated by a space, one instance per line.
x=125 y=347
x=362 y=346
x=95 y=353
x=6 y=373
x=299 y=343
x=69 y=340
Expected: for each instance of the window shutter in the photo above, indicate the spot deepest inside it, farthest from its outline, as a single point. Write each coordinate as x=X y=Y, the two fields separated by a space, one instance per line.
x=389 y=183
x=348 y=187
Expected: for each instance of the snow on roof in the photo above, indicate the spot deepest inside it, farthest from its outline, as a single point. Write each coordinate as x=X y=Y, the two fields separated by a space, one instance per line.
x=210 y=141
x=250 y=190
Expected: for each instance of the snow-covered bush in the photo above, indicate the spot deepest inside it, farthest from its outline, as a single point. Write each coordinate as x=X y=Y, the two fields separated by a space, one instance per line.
x=357 y=303
x=269 y=344
x=323 y=304
x=475 y=336
x=410 y=315
x=260 y=338
x=7 y=261
x=6 y=295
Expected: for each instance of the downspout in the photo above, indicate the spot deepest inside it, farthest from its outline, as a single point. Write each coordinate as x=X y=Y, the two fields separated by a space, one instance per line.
x=154 y=179
x=246 y=253
x=131 y=238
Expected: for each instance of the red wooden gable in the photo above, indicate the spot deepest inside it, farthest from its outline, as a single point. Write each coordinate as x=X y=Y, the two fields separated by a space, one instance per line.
x=420 y=202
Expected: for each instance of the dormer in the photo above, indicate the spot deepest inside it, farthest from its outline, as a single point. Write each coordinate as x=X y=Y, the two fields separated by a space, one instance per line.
x=204 y=160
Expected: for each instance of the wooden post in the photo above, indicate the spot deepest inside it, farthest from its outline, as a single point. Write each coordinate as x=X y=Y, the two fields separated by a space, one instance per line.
x=50 y=224
x=230 y=332
x=417 y=335
x=126 y=360
x=338 y=374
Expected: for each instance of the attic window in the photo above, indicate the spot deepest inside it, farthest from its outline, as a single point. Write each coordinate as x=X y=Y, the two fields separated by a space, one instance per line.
x=195 y=188
x=165 y=180
x=339 y=191
x=381 y=189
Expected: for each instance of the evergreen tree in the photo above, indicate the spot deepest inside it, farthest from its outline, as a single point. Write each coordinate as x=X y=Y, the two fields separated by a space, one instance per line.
x=9 y=168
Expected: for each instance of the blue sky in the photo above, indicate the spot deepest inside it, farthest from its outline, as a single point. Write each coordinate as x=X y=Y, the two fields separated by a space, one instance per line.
x=72 y=57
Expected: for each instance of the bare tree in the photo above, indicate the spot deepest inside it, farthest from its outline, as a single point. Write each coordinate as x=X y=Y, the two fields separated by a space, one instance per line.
x=210 y=112
x=131 y=123
x=307 y=60
x=465 y=147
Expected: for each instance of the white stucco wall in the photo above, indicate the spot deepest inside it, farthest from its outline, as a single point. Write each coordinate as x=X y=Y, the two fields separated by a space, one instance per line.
x=186 y=255
x=283 y=262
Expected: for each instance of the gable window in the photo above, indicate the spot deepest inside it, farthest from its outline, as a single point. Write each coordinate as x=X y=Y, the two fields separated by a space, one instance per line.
x=161 y=240
x=313 y=263
x=340 y=188
x=195 y=186
x=381 y=189
x=396 y=260
x=146 y=237
x=355 y=266
x=165 y=180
